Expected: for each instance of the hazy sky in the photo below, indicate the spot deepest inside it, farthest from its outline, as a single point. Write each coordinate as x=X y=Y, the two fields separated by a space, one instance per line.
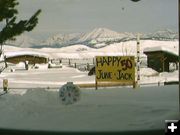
x=69 y=16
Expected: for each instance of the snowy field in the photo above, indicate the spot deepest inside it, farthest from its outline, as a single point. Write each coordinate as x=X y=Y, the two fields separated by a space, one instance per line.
x=44 y=77
x=108 y=109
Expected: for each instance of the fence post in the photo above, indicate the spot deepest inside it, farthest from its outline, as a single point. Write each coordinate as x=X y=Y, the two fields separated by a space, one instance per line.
x=88 y=67
x=135 y=84
x=93 y=61
x=74 y=65
x=96 y=84
x=26 y=65
x=69 y=62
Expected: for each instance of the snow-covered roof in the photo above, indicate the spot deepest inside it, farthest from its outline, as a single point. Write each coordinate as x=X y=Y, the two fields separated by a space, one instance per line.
x=160 y=48
x=21 y=53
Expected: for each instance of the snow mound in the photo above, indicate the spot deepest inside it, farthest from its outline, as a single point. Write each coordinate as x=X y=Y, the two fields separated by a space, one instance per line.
x=20 y=65
x=148 y=72
x=41 y=66
x=169 y=73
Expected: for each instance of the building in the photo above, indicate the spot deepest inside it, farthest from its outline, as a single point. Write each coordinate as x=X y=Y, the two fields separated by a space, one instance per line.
x=159 y=58
x=30 y=56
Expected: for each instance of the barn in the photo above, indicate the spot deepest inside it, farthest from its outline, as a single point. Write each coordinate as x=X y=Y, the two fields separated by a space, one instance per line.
x=31 y=56
x=159 y=58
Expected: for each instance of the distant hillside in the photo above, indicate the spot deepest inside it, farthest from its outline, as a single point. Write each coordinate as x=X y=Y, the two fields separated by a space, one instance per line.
x=164 y=35
x=61 y=40
x=23 y=41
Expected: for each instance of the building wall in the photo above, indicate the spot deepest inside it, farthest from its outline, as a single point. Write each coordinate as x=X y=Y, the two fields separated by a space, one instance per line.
x=158 y=61
x=31 y=59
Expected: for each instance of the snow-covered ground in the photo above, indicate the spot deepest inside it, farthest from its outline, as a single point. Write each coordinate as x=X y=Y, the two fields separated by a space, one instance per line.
x=56 y=77
x=108 y=109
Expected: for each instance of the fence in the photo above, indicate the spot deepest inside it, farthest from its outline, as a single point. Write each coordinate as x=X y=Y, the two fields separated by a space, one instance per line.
x=84 y=62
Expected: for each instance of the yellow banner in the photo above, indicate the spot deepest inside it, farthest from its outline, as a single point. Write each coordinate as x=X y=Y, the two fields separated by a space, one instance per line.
x=115 y=69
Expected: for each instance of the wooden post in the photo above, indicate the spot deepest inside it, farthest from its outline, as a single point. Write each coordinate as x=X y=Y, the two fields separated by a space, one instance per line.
x=5 y=61
x=134 y=84
x=163 y=60
x=5 y=85
x=176 y=65
x=96 y=84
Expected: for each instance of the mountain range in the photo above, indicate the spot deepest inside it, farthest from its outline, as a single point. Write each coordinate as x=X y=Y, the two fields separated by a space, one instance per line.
x=97 y=36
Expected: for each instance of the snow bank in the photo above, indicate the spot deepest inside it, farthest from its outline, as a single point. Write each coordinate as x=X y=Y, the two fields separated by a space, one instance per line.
x=148 y=72
x=40 y=66
x=20 y=65
x=170 y=76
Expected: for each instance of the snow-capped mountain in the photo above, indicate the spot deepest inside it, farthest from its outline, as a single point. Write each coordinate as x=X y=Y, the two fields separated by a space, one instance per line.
x=96 y=38
x=60 y=40
x=100 y=34
x=104 y=35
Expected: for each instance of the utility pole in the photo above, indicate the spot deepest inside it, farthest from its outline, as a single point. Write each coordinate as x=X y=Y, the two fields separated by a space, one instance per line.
x=138 y=60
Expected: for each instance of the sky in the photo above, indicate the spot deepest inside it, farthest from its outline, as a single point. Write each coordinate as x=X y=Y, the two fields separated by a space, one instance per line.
x=74 y=16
